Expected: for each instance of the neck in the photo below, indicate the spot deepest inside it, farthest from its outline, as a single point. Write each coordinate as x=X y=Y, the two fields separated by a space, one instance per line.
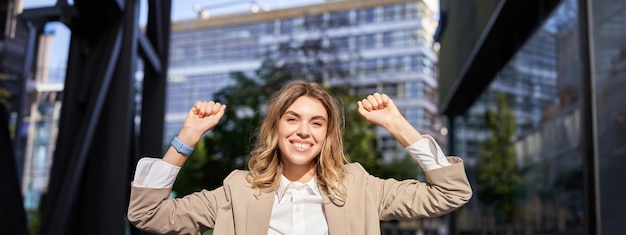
x=300 y=174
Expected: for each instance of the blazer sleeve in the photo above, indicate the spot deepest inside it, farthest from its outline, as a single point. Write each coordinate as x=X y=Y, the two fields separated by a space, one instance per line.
x=445 y=190
x=151 y=210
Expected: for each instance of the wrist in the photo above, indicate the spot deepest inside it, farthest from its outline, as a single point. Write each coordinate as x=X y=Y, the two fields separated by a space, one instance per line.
x=189 y=136
x=403 y=131
x=396 y=124
x=181 y=147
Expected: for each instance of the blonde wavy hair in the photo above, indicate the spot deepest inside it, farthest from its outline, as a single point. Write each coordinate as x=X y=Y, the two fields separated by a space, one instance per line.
x=265 y=166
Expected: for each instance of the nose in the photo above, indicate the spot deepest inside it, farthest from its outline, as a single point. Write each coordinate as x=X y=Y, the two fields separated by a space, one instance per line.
x=303 y=130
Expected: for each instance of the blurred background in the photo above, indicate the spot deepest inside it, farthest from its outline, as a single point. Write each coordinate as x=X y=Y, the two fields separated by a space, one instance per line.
x=529 y=93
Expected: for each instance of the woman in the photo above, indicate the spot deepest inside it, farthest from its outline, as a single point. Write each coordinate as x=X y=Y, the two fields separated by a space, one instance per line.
x=299 y=181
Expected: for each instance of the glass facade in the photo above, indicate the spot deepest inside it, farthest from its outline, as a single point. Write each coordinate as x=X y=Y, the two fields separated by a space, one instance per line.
x=608 y=20
x=558 y=188
x=215 y=45
x=386 y=48
x=542 y=92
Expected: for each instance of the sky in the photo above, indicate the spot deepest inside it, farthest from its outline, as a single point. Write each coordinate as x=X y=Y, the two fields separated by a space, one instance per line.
x=181 y=10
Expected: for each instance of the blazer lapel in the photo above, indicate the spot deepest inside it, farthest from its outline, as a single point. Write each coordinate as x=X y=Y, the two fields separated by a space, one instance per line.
x=336 y=217
x=259 y=213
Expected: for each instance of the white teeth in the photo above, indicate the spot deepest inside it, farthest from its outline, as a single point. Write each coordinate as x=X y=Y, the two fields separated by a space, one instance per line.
x=302 y=145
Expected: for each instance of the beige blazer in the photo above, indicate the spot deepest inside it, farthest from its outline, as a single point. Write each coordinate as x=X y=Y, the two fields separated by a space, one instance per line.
x=235 y=208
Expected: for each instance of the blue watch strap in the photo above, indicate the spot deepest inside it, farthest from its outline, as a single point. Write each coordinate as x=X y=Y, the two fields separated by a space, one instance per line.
x=181 y=147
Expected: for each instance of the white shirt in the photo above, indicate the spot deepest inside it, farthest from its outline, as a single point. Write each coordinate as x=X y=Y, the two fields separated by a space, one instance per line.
x=298 y=207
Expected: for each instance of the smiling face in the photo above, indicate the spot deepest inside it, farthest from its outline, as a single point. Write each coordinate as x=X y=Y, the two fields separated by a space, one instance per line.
x=301 y=133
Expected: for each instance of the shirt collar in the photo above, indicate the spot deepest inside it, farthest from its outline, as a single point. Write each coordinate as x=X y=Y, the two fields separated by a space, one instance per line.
x=285 y=184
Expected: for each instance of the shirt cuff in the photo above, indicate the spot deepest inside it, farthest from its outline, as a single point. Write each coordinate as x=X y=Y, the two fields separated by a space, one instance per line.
x=155 y=173
x=428 y=154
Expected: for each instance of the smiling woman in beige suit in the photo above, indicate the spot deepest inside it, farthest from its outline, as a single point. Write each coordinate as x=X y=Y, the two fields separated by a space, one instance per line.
x=299 y=181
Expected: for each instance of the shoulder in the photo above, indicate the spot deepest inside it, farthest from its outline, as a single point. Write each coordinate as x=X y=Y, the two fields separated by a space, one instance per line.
x=355 y=170
x=355 y=167
x=236 y=176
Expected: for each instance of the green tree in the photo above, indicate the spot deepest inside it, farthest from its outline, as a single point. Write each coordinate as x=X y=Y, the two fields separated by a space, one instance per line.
x=399 y=168
x=359 y=135
x=498 y=176
x=4 y=102
x=194 y=176
x=4 y=97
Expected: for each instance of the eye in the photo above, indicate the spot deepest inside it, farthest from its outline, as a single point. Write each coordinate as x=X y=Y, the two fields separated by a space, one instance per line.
x=318 y=124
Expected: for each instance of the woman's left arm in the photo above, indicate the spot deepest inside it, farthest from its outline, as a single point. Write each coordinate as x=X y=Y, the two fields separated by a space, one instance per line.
x=446 y=187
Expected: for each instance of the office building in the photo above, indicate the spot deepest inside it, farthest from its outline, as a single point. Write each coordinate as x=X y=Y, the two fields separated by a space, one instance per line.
x=392 y=41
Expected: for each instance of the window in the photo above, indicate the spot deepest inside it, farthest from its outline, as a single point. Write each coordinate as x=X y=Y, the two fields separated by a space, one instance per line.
x=339 y=19
x=314 y=22
x=369 y=66
x=399 y=65
x=413 y=89
x=366 y=90
x=270 y=28
x=369 y=41
x=340 y=43
x=387 y=143
x=391 y=13
x=386 y=67
x=366 y=16
x=391 y=89
x=293 y=25
x=415 y=116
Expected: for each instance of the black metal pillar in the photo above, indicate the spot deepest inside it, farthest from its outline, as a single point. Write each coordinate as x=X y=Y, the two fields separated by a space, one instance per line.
x=12 y=215
x=71 y=205
x=588 y=140
x=97 y=143
x=155 y=77
x=452 y=229
x=34 y=30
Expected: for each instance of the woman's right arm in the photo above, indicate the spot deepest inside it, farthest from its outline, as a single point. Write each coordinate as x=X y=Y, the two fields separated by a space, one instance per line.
x=149 y=208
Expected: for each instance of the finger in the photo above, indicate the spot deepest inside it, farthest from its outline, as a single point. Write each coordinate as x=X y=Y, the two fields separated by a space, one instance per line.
x=386 y=100
x=220 y=111
x=361 y=108
x=206 y=108
x=215 y=108
x=367 y=106
x=384 y=97
x=197 y=107
x=209 y=108
x=372 y=100
x=377 y=96
x=379 y=100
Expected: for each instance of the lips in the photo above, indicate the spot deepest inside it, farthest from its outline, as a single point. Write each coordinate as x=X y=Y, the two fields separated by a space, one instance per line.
x=301 y=145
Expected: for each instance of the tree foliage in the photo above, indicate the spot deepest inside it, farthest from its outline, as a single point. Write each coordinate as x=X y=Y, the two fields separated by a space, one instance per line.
x=399 y=168
x=4 y=97
x=498 y=176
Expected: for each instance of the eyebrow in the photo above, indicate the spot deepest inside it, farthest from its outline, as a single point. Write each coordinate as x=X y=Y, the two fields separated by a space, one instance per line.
x=298 y=115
